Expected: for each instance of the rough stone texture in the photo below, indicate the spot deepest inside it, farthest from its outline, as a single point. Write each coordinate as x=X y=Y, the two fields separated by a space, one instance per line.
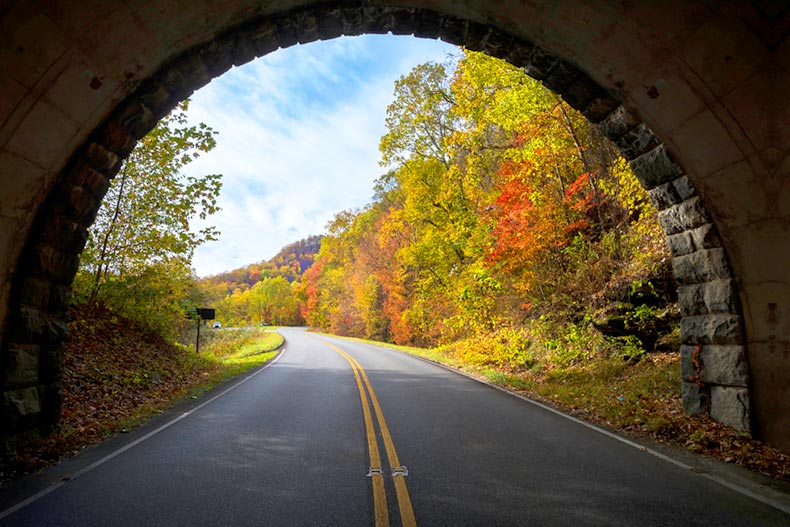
x=716 y=328
x=687 y=215
x=713 y=363
x=22 y=367
x=705 y=237
x=691 y=364
x=664 y=196
x=700 y=266
x=724 y=365
x=716 y=296
x=600 y=107
x=680 y=244
x=616 y=124
x=721 y=296
x=696 y=398
x=684 y=188
x=673 y=193
x=581 y=93
x=24 y=402
x=655 y=168
x=637 y=141
x=36 y=326
x=730 y=405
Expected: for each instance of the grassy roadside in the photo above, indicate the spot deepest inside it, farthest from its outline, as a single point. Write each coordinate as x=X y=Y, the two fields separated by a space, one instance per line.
x=640 y=400
x=117 y=375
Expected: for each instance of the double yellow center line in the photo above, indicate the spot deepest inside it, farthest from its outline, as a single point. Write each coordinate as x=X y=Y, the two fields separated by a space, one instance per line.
x=376 y=471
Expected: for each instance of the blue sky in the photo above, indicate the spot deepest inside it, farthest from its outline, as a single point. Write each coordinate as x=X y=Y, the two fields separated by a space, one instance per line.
x=298 y=140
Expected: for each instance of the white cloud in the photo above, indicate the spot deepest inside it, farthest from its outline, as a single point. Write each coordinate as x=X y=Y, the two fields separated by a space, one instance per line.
x=298 y=140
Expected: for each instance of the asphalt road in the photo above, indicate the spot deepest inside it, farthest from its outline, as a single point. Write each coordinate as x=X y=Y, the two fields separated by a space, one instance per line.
x=291 y=445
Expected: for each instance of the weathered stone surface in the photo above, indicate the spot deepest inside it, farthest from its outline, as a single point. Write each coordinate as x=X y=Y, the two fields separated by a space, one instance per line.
x=285 y=29
x=65 y=234
x=664 y=196
x=306 y=26
x=700 y=266
x=153 y=95
x=22 y=367
x=689 y=214
x=720 y=296
x=262 y=37
x=722 y=328
x=51 y=401
x=81 y=207
x=560 y=77
x=655 y=168
x=691 y=364
x=35 y=292
x=730 y=405
x=177 y=79
x=725 y=365
x=692 y=300
x=402 y=20
x=330 y=24
x=42 y=293
x=637 y=141
x=684 y=188
x=600 y=107
x=618 y=123
x=189 y=74
x=217 y=55
x=680 y=244
x=716 y=296
x=696 y=398
x=37 y=326
x=351 y=20
x=519 y=54
x=101 y=159
x=375 y=21
x=23 y=402
x=540 y=64
x=499 y=43
x=117 y=140
x=90 y=180
x=705 y=237
x=581 y=92
x=476 y=36
x=51 y=363
x=55 y=264
x=135 y=118
x=59 y=297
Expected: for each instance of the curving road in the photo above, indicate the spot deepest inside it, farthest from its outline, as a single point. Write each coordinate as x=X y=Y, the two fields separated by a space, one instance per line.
x=342 y=433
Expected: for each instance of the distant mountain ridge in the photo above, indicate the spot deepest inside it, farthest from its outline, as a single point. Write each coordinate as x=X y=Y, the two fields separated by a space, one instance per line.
x=290 y=263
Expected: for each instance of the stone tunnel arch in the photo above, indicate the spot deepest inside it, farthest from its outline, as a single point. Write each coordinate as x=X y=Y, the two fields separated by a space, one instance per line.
x=716 y=379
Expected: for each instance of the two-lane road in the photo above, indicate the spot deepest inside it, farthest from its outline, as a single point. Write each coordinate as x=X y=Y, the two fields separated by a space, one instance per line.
x=291 y=445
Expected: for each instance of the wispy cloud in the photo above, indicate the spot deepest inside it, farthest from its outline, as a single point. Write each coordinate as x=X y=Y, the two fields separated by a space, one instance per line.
x=298 y=139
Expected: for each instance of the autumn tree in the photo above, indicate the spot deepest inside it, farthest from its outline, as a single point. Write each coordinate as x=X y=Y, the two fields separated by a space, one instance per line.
x=500 y=204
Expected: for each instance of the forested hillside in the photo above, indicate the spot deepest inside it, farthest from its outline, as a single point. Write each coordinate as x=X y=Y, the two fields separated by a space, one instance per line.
x=504 y=227
x=264 y=292
x=290 y=263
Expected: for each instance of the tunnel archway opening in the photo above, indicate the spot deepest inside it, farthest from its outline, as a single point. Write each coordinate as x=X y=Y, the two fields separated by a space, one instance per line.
x=712 y=326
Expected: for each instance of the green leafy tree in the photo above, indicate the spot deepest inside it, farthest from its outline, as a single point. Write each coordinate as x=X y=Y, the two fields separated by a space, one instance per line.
x=142 y=229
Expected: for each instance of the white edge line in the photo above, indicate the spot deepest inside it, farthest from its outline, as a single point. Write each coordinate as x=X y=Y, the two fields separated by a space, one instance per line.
x=721 y=481
x=108 y=457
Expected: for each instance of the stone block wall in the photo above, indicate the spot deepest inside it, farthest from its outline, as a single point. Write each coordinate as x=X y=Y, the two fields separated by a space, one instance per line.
x=715 y=374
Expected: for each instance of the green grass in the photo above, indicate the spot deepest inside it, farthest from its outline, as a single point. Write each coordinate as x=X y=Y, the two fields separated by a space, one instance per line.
x=237 y=352
x=262 y=343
